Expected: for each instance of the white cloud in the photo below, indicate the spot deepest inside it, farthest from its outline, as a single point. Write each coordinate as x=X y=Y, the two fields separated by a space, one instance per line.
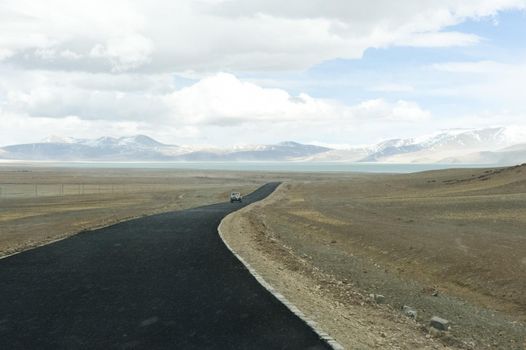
x=84 y=95
x=220 y=99
x=501 y=83
x=17 y=128
x=223 y=99
x=226 y=35
x=126 y=52
x=105 y=67
x=381 y=110
x=442 y=39
x=71 y=103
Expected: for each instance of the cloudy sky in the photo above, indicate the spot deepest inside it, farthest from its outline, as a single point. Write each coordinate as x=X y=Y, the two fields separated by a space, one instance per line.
x=229 y=72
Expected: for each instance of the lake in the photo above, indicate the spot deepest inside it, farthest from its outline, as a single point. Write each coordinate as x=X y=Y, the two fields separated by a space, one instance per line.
x=281 y=166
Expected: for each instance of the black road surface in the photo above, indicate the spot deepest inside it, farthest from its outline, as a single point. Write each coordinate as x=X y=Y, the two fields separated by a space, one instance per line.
x=160 y=282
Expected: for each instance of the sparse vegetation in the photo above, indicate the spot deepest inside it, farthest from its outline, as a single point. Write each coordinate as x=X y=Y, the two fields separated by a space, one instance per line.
x=73 y=200
x=449 y=243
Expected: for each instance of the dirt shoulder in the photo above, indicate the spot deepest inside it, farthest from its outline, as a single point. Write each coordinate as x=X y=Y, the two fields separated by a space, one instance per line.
x=349 y=316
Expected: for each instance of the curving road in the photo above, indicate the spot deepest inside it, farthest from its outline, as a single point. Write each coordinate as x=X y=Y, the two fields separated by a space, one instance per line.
x=160 y=282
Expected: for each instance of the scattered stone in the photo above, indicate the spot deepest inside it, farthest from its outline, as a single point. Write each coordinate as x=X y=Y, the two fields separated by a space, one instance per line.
x=439 y=323
x=410 y=312
x=470 y=344
x=380 y=299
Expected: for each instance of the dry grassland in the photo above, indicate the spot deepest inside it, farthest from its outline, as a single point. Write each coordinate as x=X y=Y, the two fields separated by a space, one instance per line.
x=449 y=243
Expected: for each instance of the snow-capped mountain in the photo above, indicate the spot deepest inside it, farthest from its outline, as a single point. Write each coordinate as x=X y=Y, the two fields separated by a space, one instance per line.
x=144 y=148
x=487 y=146
x=445 y=147
x=137 y=141
x=433 y=148
x=279 y=152
x=137 y=147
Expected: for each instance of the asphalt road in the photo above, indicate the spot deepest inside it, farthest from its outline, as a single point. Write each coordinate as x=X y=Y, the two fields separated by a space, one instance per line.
x=159 y=282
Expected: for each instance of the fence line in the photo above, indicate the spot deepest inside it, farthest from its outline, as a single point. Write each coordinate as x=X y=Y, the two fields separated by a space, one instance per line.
x=35 y=190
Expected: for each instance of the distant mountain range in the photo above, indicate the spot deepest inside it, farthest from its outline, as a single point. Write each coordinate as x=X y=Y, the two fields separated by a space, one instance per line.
x=144 y=148
x=477 y=146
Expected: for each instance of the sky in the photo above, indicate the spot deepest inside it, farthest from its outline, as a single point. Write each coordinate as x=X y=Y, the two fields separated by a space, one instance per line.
x=231 y=72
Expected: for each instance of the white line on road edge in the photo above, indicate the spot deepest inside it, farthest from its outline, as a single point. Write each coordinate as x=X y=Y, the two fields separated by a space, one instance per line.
x=312 y=324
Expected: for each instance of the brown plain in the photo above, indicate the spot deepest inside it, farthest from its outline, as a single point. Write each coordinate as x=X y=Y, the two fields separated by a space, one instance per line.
x=39 y=205
x=448 y=243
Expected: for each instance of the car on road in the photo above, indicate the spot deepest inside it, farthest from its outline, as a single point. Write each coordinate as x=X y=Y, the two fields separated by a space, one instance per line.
x=235 y=197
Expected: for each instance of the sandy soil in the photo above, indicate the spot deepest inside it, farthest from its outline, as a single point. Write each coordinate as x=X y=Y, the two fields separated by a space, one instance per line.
x=448 y=243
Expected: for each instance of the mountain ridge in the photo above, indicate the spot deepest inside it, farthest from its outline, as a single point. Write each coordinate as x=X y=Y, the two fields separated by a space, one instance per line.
x=486 y=146
x=145 y=148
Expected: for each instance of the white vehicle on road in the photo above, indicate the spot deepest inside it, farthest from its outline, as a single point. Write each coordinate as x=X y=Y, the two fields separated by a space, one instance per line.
x=235 y=197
